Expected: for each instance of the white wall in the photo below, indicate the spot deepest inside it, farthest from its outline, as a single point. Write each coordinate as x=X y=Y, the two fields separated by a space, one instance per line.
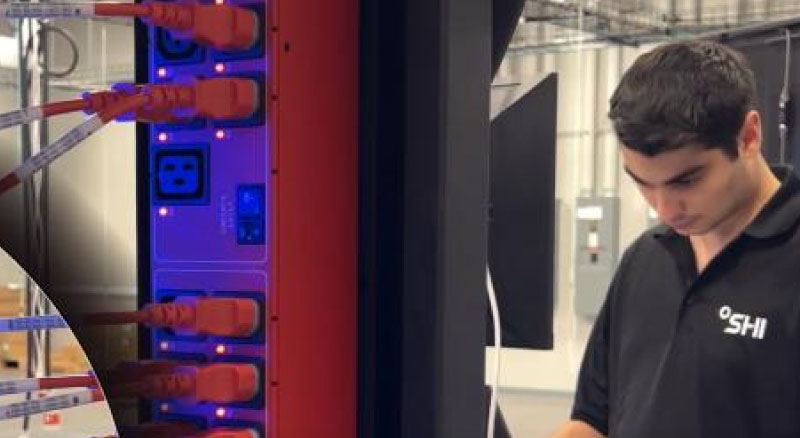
x=586 y=80
x=94 y=183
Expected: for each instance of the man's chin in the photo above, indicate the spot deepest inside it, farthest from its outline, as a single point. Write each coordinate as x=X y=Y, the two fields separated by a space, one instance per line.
x=692 y=229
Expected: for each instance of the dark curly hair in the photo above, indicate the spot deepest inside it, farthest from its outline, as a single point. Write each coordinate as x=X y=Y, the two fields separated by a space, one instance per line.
x=684 y=94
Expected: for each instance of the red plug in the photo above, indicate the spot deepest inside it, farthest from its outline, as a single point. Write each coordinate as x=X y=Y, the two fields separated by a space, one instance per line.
x=226 y=98
x=216 y=98
x=216 y=383
x=222 y=27
x=228 y=317
x=227 y=433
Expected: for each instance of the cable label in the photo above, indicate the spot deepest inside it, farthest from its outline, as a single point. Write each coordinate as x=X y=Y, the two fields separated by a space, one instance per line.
x=20 y=117
x=59 y=147
x=43 y=10
x=18 y=386
x=32 y=407
x=31 y=323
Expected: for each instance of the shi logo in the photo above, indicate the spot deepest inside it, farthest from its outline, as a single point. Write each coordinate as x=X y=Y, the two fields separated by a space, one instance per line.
x=741 y=324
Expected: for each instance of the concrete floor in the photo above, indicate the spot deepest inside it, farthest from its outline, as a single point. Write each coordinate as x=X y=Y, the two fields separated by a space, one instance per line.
x=529 y=414
x=533 y=414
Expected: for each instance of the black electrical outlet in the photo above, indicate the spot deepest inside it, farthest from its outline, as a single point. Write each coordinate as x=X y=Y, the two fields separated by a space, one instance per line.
x=172 y=50
x=181 y=175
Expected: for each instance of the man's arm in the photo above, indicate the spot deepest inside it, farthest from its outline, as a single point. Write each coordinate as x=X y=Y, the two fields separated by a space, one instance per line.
x=577 y=429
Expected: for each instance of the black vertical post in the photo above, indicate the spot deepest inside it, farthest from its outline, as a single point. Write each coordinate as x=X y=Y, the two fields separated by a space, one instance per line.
x=426 y=70
x=449 y=72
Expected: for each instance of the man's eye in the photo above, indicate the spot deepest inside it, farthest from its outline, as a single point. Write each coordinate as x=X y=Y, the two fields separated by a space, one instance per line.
x=685 y=182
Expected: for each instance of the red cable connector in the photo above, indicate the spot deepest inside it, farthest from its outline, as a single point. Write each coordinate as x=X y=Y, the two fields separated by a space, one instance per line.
x=223 y=27
x=133 y=371
x=228 y=317
x=216 y=98
x=216 y=383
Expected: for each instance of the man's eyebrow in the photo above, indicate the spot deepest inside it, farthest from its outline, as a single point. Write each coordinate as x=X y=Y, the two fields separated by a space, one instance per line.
x=683 y=175
x=686 y=174
x=633 y=176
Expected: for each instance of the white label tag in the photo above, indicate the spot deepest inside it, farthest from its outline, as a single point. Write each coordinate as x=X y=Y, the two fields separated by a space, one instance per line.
x=20 y=117
x=44 y=10
x=59 y=147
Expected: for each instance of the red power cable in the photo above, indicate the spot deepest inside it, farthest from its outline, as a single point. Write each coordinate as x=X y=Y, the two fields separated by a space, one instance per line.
x=66 y=382
x=223 y=27
x=216 y=383
x=229 y=317
x=70 y=139
x=67 y=106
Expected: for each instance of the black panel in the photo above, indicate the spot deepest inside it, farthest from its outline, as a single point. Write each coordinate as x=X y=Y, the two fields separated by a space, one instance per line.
x=425 y=75
x=505 y=17
x=522 y=228
x=382 y=139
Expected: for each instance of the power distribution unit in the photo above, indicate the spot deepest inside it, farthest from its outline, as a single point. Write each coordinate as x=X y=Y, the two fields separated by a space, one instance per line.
x=263 y=208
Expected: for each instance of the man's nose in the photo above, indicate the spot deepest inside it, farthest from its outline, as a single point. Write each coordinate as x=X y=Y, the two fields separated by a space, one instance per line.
x=666 y=205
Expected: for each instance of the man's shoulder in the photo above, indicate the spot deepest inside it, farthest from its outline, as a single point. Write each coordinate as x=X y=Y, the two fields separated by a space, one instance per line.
x=646 y=244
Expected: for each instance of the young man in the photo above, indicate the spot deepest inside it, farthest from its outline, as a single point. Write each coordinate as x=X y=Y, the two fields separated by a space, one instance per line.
x=700 y=333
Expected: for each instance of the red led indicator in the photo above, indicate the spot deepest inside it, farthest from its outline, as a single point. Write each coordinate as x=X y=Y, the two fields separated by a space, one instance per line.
x=162 y=137
x=220 y=134
x=219 y=67
x=161 y=72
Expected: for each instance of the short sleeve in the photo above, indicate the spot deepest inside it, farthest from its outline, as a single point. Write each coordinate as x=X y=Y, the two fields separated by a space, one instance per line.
x=591 y=397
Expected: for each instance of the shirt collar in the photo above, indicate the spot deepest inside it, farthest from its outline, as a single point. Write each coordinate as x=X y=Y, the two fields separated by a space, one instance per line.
x=782 y=210
x=779 y=214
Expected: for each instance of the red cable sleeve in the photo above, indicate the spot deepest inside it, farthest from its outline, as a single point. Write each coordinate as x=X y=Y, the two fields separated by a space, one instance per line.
x=113 y=318
x=68 y=106
x=176 y=385
x=66 y=382
x=99 y=101
x=8 y=182
x=125 y=105
x=172 y=315
x=121 y=10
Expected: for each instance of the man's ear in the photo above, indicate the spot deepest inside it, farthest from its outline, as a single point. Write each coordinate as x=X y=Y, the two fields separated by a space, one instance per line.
x=750 y=135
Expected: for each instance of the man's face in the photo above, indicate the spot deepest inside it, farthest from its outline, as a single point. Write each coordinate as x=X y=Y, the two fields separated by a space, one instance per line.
x=692 y=189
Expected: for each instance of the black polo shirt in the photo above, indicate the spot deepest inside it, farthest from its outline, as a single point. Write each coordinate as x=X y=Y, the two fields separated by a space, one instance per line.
x=675 y=354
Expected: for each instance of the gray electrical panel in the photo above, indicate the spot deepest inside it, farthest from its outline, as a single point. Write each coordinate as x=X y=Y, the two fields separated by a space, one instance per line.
x=596 y=251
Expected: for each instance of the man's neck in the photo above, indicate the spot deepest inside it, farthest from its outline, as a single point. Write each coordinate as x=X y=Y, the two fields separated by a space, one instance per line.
x=707 y=246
